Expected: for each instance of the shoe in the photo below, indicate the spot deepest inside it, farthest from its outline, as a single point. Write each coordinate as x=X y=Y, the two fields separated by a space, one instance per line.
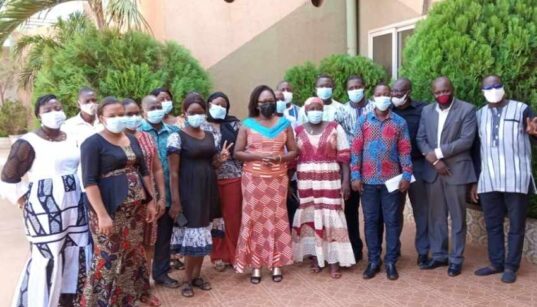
x=391 y=271
x=371 y=271
x=509 y=276
x=433 y=264
x=423 y=260
x=167 y=282
x=454 y=269
x=486 y=271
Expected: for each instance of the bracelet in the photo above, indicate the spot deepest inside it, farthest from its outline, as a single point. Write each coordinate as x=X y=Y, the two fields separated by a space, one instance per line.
x=436 y=162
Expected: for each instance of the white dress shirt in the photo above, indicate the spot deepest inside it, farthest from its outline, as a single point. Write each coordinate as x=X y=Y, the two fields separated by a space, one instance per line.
x=442 y=117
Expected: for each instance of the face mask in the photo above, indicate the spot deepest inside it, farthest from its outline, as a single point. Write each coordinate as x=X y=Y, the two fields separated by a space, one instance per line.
x=280 y=106
x=382 y=103
x=167 y=106
x=89 y=108
x=155 y=116
x=53 y=120
x=324 y=93
x=217 y=112
x=399 y=101
x=288 y=97
x=443 y=99
x=494 y=95
x=115 y=124
x=133 y=122
x=195 y=121
x=267 y=109
x=356 y=95
x=315 y=117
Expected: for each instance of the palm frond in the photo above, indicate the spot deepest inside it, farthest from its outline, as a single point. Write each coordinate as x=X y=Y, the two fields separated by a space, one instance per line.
x=32 y=41
x=125 y=15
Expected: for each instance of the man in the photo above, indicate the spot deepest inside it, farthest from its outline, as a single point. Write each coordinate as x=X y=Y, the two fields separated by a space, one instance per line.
x=381 y=151
x=445 y=137
x=357 y=106
x=154 y=125
x=505 y=181
x=324 y=89
x=410 y=111
x=85 y=123
x=280 y=103
x=291 y=110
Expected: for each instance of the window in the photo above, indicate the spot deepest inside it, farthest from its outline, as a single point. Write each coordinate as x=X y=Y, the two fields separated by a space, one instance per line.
x=386 y=45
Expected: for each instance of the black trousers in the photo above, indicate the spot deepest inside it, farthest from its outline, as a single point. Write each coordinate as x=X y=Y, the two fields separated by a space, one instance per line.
x=353 y=224
x=292 y=201
x=161 y=259
x=496 y=205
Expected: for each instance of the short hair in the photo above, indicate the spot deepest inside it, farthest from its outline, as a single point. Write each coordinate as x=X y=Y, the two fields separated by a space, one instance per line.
x=125 y=102
x=324 y=76
x=355 y=77
x=253 y=111
x=109 y=100
x=159 y=90
x=281 y=82
x=85 y=90
x=41 y=101
x=193 y=98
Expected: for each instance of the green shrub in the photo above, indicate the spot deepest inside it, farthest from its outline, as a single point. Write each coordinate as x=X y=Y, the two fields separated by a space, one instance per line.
x=13 y=118
x=115 y=64
x=469 y=39
x=340 y=67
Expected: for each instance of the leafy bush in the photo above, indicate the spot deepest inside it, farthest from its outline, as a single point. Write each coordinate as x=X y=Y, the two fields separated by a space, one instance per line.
x=468 y=39
x=13 y=118
x=122 y=65
x=340 y=67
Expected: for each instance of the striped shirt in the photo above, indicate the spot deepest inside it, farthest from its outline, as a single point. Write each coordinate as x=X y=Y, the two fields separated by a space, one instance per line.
x=505 y=149
x=349 y=118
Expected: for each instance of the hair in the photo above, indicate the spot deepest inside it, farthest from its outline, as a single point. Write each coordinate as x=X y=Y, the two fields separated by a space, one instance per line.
x=109 y=100
x=41 y=101
x=355 y=77
x=282 y=82
x=193 y=98
x=85 y=90
x=159 y=90
x=125 y=102
x=324 y=76
x=406 y=80
x=215 y=95
x=253 y=111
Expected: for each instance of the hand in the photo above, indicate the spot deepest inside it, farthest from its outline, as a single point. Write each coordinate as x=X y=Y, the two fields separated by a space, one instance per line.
x=531 y=126
x=21 y=201
x=271 y=160
x=174 y=210
x=224 y=153
x=345 y=190
x=431 y=157
x=358 y=186
x=106 y=224
x=161 y=208
x=474 y=197
x=151 y=212
x=404 y=185
x=442 y=168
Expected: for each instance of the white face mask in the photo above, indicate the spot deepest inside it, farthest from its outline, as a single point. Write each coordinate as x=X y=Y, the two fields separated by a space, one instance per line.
x=53 y=120
x=288 y=97
x=115 y=124
x=494 y=95
x=167 y=106
x=89 y=108
x=382 y=103
x=315 y=117
x=399 y=101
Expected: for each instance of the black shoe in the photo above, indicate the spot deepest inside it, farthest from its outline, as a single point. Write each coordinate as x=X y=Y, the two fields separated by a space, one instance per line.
x=358 y=258
x=391 y=271
x=433 y=264
x=371 y=271
x=509 y=276
x=454 y=269
x=167 y=281
x=486 y=271
x=423 y=260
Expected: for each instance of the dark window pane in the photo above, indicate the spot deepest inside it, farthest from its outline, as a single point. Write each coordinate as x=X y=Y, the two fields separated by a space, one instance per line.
x=403 y=37
x=382 y=51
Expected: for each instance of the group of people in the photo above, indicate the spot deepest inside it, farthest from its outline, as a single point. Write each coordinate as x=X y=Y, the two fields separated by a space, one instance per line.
x=126 y=190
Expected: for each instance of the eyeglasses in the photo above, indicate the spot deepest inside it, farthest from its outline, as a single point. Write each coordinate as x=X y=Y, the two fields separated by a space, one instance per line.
x=494 y=86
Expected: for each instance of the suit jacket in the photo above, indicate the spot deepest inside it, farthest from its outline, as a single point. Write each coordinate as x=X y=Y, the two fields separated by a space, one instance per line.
x=456 y=141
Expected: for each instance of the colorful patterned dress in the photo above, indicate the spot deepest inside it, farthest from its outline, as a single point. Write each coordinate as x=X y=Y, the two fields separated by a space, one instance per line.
x=319 y=226
x=265 y=239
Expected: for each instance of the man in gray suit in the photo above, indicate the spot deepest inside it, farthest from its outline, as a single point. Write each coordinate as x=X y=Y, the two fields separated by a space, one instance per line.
x=445 y=136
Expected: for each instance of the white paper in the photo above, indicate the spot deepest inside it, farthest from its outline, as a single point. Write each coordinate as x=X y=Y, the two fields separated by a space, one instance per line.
x=393 y=183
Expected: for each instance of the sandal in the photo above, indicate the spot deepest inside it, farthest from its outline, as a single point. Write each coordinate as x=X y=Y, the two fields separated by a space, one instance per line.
x=277 y=275
x=314 y=266
x=201 y=284
x=177 y=264
x=256 y=276
x=187 y=290
x=220 y=266
x=150 y=300
x=334 y=271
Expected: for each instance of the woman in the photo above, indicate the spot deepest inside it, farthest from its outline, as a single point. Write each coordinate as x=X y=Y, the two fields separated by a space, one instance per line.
x=265 y=239
x=225 y=129
x=117 y=185
x=319 y=227
x=165 y=97
x=192 y=158
x=54 y=214
x=133 y=120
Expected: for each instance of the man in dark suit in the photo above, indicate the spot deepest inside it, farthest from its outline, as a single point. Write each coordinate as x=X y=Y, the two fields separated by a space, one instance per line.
x=445 y=136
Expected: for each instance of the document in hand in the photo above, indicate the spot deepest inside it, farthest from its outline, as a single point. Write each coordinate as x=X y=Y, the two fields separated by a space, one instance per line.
x=392 y=184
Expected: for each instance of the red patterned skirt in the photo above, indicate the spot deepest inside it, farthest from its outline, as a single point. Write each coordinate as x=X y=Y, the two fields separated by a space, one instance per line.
x=265 y=239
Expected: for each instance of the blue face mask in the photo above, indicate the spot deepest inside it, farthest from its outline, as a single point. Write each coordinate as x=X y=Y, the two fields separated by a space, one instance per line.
x=280 y=106
x=315 y=117
x=324 y=93
x=382 y=103
x=115 y=124
x=133 y=122
x=155 y=116
x=167 y=106
x=356 y=95
x=217 y=112
x=195 y=121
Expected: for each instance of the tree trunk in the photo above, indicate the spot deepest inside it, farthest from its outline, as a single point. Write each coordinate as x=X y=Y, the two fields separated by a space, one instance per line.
x=98 y=11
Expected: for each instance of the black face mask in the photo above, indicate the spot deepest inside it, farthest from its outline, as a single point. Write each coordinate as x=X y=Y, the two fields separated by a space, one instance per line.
x=267 y=109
